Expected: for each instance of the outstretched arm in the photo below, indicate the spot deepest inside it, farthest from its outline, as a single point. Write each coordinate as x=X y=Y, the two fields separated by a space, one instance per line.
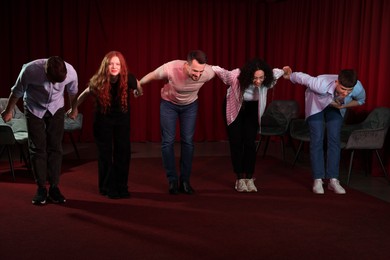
x=73 y=111
x=151 y=76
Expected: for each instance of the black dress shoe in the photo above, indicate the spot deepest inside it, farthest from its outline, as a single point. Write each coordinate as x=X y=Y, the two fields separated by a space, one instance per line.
x=124 y=194
x=113 y=194
x=173 y=188
x=185 y=187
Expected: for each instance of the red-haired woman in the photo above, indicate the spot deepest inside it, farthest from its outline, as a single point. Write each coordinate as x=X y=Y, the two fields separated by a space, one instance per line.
x=111 y=85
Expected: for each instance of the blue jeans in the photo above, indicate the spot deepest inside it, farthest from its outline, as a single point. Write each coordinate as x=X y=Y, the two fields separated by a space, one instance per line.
x=169 y=113
x=331 y=120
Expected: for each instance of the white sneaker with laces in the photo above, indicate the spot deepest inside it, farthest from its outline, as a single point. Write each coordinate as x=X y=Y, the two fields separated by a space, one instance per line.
x=241 y=186
x=250 y=184
x=317 y=186
x=335 y=186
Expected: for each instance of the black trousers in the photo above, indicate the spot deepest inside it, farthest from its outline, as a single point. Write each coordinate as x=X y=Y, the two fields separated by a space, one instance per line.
x=45 y=146
x=112 y=137
x=242 y=136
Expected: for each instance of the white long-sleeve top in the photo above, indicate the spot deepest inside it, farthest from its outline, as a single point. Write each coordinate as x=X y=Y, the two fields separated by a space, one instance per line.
x=252 y=93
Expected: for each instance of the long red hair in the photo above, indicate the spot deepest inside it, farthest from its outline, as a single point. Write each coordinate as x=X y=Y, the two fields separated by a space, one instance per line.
x=101 y=86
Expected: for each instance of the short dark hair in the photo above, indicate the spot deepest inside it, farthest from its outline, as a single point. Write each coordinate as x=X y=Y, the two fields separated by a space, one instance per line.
x=347 y=78
x=198 y=55
x=56 y=69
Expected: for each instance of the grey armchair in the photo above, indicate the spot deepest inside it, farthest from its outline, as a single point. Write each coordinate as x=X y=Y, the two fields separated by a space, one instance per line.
x=70 y=126
x=276 y=122
x=368 y=135
x=13 y=133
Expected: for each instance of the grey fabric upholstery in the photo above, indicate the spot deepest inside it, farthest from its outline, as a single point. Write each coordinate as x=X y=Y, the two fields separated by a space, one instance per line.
x=70 y=126
x=367 y=135
x=379 y=118
x=276 y=121
x=13 y=132
x=17 y=114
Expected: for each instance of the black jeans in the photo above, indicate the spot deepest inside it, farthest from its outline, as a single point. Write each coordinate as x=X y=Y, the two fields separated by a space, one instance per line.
x=45 y=146
x=242 y=135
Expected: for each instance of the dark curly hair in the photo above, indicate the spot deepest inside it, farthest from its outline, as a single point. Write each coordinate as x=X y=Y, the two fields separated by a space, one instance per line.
x=248 y=70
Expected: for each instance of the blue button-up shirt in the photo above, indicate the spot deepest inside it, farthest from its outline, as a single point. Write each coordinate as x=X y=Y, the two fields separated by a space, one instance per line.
x=320 y=92
x=39 y=94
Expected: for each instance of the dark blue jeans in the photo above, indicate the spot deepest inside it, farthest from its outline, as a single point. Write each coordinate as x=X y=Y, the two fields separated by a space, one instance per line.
x=169 y=114
x=45 y=146
x=327 y=121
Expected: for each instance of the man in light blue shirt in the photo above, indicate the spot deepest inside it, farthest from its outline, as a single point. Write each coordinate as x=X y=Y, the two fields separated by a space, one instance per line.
x=326 y=99
x=42 y=83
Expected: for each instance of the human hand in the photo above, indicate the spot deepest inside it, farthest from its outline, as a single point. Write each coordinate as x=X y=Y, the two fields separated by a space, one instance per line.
x=336 y=104
x=7 y=116
x=72 y=113
x=138 y=92
x=287 y=72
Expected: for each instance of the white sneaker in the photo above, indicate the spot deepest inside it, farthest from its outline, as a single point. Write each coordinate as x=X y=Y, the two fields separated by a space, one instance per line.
x=335 y=186
x=250 y=184
x=317 y=186
x=241 y=186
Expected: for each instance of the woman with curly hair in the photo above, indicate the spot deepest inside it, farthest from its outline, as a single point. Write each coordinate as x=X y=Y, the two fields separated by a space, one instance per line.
x=111 y=86
x=245 y=104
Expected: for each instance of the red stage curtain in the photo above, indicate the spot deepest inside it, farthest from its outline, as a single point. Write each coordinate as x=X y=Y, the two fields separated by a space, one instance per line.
x=316 y=37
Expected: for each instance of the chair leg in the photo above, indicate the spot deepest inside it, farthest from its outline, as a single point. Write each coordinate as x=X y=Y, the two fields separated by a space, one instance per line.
x=258 y=144
x=282 y=147
x=291 y=143
x=74 y=145
x=368 y=164
x=350 y=166
x=23 y=157
x=11 y=162
x=383 y=168
x=266 y=146
x=298 y=152
x=26 y=158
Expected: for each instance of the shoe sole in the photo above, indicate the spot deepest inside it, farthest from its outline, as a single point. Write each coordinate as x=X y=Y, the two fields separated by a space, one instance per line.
x=57 y=201
x=173 y=192
x=336 y=191
x=39 y=202
x=187 y=192
x=113 y=197
x=242 y=191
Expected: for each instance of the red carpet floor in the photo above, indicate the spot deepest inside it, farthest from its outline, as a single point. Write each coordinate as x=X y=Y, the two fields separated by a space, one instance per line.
x=284 y=220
